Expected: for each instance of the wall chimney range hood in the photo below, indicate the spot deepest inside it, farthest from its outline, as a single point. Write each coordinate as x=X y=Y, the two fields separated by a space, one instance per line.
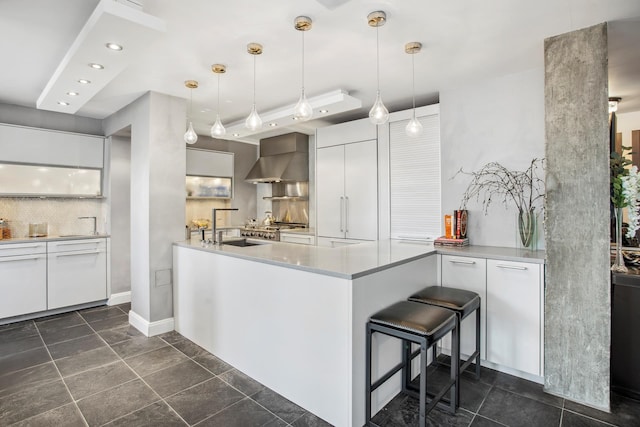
x=283 y=158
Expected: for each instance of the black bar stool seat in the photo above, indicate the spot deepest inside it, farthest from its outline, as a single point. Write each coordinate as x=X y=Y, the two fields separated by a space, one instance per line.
x=422 y=324
x=463 y=303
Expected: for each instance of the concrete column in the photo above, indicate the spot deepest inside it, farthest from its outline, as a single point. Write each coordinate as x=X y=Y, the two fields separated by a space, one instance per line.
x=158 y=165
x=577 y=301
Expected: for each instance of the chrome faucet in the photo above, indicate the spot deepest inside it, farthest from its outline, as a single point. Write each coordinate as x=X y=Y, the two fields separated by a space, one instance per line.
x=95 y=230
x=215 y=238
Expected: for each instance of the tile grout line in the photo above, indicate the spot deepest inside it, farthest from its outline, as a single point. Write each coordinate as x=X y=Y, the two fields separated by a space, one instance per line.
x=591 y=418
x=61 y=377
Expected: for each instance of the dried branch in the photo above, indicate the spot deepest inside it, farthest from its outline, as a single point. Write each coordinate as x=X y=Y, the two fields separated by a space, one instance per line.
x=494 y=181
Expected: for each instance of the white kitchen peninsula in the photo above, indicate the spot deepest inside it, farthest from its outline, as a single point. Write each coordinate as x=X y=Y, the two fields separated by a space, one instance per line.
x=293 y=316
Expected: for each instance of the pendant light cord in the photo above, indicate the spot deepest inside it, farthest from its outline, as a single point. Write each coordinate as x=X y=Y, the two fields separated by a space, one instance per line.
x=377 y=60
x=190 y=102
x=413 y=82
x=254 y=80
x=218 y=94
x=302 y=60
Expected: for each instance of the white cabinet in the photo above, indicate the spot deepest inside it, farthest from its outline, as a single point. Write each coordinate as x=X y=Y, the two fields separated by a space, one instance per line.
x=469 y=274
x=23 y=278
x=345 y=133
x=347 y=191
x=77 y=272
x=302 y=239
x=209 y=163
x=514 y=319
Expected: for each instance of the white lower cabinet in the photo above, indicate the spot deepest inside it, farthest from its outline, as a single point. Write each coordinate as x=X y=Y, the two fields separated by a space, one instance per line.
x=23 y=278
x=469 y=274
x=77 y=272
x=514 y=319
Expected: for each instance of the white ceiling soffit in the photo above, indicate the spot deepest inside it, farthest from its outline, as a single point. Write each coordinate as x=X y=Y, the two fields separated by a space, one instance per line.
x=334 y=102
x=110 y=22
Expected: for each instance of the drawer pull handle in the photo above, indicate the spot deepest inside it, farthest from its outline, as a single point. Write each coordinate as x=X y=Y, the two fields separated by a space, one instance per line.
x=76 y=253
x=511 y=267
x=21 y=247
x=20 y=259
x=459 y=261
x=77 y=243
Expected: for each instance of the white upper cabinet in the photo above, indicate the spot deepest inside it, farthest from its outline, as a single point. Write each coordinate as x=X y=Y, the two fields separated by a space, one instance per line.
x=344 y=133
x=209 y=163
x=20 y=144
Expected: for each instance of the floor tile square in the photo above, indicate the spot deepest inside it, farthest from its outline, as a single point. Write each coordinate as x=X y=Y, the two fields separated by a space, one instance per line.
x=17 y=361
x=155 y=415
x=215 y=365
x=99 y=379
x=100 y=313
x=571 y=419
x=85 y=361
x=52 y=336
x=110 y=323
x=59 y=321
x=479 y=421
x=28 y=377
x=279 y=405
x=242 y=382
x=624 y=411
x=472 y=392
x=189 y=348
x=75 y=346
x=116 y=402
x=155 y=360
x=203 y=400
x=137 y=345
x=310 y=420
x=67 y=416
x=245 y=413
x=18 y=331
x=527 y=389
x=18 y=345
x=123 y=333
x=177 y=378
x=404 y=411
x=32 y=401
x=512 y=409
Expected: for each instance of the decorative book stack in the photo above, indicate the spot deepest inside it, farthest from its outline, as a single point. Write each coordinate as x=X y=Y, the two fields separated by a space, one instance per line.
x=444 y=241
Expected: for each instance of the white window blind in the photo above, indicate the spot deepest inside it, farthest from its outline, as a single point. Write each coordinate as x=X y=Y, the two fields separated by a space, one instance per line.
x=415 y=180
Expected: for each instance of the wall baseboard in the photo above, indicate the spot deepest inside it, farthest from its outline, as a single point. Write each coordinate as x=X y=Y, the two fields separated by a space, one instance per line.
x=150 y=329
x=119 y=298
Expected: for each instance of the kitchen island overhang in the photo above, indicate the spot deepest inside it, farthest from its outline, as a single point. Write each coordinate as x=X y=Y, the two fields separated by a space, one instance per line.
x=293 y=316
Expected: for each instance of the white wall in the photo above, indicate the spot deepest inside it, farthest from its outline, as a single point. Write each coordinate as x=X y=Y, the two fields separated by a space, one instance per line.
x=120 y=203
x=499 y=120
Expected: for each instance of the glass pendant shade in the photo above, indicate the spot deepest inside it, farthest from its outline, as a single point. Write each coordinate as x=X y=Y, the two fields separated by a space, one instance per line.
x=217 y=130
x=253 y=122
x=303 y=110
x=190 y=136
x=414 y=127
x=378 y=113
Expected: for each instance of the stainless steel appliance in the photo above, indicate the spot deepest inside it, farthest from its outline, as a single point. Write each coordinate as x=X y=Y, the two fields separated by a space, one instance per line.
x=268 y=232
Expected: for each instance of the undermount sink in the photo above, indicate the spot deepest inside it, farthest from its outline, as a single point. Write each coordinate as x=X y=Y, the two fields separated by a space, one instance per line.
x=241 y=243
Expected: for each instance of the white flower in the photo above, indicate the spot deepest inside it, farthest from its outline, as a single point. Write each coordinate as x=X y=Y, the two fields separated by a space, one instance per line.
x=631 y=194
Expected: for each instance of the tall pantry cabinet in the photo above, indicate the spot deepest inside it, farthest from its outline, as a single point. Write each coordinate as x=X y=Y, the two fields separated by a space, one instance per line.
x=347 y=183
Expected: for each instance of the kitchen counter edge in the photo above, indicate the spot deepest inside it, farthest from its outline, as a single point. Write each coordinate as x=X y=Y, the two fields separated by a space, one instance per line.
x=52 y=238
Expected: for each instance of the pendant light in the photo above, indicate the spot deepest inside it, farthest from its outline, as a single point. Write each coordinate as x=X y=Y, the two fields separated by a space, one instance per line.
x=217 y=130
x=190 y=136
x=254 y=122
x=303 y=110
x=414 y=127
x=378 y=113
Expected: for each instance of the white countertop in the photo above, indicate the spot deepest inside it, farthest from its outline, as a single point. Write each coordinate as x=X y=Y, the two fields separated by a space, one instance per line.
x=53 y=238
x=357 y=260
x=349 y=262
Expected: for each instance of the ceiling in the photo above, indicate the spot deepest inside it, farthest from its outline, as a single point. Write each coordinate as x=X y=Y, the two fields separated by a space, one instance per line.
x=463 y=42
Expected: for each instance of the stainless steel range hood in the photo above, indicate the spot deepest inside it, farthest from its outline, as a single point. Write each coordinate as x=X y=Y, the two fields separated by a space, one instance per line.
x=283 y=158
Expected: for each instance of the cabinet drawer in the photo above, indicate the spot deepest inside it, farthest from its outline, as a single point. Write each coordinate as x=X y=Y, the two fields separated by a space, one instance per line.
x=23 y=285
x=77 y=245
x=303 y=239
x=76 y=277
x=12 y=249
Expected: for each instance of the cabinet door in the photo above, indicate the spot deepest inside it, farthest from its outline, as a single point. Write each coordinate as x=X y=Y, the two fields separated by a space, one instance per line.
x=469 y=274
x=76 y=277
x=23 y=284
x=330 y=191
x=513 y=315
x=361 y=190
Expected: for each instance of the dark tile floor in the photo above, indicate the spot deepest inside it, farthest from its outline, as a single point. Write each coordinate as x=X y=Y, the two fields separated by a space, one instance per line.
x=90 y=367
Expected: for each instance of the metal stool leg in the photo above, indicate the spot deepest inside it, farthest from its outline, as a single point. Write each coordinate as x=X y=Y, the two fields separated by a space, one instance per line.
x=455 y=367
x=368 y=377
x=423 y=384
x=478 y=343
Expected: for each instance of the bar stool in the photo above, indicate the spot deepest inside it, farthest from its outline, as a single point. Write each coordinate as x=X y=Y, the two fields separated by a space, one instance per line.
x=422 y=324
x=463 y=303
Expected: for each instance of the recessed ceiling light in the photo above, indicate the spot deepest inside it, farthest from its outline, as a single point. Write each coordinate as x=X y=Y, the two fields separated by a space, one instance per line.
x=114 y=46
x=73 y=93
x=62 y=103
x=84 y=81
x=236 y=135
x=96 y=66
x=294 y=118
x=273 y=124
x=323 y=111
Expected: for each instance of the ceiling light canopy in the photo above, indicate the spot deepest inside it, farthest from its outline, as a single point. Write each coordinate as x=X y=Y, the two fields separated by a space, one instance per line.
x=88 y=61
x=613 y=104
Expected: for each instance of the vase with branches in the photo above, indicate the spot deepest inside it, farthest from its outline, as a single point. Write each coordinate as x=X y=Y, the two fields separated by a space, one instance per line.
x=525 y=189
